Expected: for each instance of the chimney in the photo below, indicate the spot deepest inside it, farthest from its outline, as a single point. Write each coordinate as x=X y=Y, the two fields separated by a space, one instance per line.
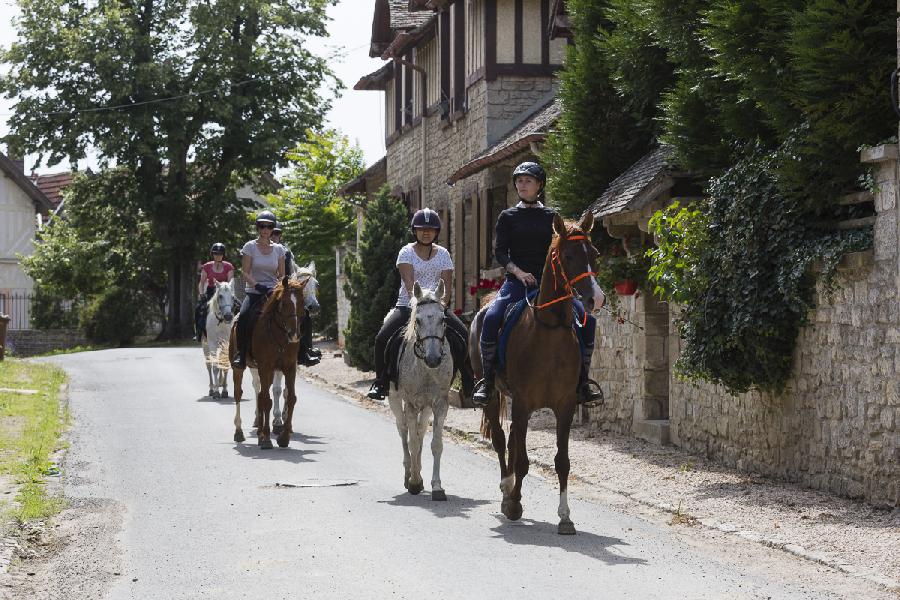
x=14 y=152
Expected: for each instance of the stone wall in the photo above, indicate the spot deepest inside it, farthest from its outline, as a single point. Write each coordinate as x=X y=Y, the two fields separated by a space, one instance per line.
x=837 y=425
x=29 y=342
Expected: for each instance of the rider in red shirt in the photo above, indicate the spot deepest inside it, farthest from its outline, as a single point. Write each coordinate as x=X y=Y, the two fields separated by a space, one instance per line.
x=218 y=269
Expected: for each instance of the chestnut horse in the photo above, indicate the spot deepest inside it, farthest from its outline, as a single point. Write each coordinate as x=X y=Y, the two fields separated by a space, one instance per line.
x=275 y=341
x=543 y=361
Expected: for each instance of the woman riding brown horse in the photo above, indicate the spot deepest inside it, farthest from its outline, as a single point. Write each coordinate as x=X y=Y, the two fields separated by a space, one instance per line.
x=275 y=340
x=542 y=364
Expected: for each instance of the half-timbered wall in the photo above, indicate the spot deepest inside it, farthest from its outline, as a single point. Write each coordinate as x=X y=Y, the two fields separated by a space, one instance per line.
x=506 y=31
x=428 y=57
x=390 y=123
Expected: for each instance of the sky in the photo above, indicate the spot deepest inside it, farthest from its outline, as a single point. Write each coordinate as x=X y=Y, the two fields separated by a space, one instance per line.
x=358 y=115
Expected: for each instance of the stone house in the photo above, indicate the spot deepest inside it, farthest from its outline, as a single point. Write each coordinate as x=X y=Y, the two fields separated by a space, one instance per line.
x=469 y=91
x=23 y=207
x=836 y=427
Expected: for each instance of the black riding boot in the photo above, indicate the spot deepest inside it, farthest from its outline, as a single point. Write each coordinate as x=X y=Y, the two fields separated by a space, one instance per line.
x=484 y=389
x=378 y=391
x=200 y=319
x=240 y=360
x=589 y=391
x=305 y=354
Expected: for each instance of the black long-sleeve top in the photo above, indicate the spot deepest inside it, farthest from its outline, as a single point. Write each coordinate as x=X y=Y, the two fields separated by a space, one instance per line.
x=523 y=237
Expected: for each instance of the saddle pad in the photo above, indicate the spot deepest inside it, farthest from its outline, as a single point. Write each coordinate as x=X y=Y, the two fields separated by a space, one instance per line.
x=512 y=316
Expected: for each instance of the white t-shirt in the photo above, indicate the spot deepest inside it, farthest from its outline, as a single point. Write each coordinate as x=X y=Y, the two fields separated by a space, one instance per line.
x=262 y=266
x=426 y=272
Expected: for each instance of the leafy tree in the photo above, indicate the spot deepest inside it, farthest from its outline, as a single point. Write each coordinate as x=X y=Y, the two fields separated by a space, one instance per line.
x=188 y=97
x=610 y=88
x=315 y=219
x=373 y=277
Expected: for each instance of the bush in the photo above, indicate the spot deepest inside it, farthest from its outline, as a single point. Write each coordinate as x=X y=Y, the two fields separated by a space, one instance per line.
x=373 y=279
x=117 y=316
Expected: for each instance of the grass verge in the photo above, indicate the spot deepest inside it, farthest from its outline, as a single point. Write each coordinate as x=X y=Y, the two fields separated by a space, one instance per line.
x=30 y=430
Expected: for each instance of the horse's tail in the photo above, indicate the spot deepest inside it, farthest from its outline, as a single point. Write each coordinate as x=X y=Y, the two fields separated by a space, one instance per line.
x=222 y=357
x=485 y=422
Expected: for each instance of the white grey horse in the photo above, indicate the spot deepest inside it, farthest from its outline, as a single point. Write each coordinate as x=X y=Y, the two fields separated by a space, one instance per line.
x=426 y=371
x=311 y=303
x=219 y=315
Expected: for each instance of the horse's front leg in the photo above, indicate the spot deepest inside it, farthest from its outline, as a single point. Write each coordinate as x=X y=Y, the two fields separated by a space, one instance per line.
x=263 y=409
x=277 y=422
x=437 y=449
x=561 y=461
x=518 y=465
x=396 y=404
x=210 y=371
x=287 y=428
x=416 y=438
x=238 y=375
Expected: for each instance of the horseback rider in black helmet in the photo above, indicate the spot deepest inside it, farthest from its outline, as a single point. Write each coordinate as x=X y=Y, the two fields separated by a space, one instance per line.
x=522 y=238
x=215 y=270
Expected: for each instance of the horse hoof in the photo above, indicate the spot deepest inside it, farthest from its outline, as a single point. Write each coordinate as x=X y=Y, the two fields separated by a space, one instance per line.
x=239 y=436
x=224 y=394
x=414 y=489
x=213 y=394
x=283 y=441
x=276 y=429
x=512 y=510
x=566 y=527
x=439 y=495
x=265 y=444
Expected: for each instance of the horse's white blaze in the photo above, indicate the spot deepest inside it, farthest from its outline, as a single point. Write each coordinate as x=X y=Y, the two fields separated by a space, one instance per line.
x=563 y=510
x=599 y=296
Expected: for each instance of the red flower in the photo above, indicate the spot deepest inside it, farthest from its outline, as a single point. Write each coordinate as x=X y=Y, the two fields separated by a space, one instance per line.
x=498 y=284
x=473 y=290
x=457 y=311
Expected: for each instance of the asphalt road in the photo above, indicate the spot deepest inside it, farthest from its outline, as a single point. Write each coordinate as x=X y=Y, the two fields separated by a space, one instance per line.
x=170 y=507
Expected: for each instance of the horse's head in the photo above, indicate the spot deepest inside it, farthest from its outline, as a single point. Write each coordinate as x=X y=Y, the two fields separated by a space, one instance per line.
x=307 y=276
x=225 y=300
x=578 y=256
x=285 y=307
x=426 y=326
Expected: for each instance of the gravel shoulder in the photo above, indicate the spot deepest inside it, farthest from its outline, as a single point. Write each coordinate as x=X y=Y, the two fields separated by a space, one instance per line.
x=688 y=491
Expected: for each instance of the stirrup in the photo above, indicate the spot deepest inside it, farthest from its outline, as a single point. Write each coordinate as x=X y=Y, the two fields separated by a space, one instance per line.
x=377 y=391
x=590 y=393
x=481 y=397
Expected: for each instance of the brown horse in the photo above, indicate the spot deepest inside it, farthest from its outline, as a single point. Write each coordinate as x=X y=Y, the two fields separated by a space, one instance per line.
x=275 y=341
x=543 y=360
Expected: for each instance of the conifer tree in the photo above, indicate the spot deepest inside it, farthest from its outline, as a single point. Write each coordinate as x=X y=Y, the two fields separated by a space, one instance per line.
x=373 y=276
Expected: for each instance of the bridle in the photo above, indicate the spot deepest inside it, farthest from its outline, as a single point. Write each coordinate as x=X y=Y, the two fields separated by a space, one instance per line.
x=560 y=272
x=419 y=344
x=282 y=326
x=217 y=313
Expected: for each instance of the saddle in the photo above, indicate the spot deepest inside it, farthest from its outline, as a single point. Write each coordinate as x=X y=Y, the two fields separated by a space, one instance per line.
x=511 y=317
x=394 y=348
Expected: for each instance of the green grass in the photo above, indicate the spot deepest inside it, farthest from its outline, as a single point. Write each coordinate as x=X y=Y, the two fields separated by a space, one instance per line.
x=72 y=350
x=30 y=430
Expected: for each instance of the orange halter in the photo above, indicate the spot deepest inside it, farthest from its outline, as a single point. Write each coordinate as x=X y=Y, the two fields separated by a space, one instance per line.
x=558 y=270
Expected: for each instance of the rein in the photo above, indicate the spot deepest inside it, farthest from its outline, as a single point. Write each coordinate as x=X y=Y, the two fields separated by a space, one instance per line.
x=558 y=270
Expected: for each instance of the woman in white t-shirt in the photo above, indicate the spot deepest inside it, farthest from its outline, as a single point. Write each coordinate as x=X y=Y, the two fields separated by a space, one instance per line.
x=262 y=266
x=425 y=262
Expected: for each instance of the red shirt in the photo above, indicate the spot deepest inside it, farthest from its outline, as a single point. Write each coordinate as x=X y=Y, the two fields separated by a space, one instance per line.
x=212 y=277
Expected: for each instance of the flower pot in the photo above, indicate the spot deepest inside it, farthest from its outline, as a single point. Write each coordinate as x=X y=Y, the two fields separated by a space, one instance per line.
x=626 y=287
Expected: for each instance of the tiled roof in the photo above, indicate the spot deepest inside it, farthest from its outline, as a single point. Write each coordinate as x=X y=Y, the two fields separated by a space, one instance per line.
x=533 y=129
x=375 y=80
x=53 y=185
x=13 y=170
x=358 y=184
x=645 y=178
x=403 y=18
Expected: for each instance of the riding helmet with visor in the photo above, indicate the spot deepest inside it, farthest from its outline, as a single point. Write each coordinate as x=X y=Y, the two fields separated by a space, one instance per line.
x=277 y=229
x=265 y=216
x=217 y=248
x=426 y=218
x=532 y=169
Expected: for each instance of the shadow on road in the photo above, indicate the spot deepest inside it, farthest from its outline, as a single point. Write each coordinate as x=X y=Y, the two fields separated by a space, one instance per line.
x=290 y=454
x=455 y=506
x=229 y=400
x=528 y=532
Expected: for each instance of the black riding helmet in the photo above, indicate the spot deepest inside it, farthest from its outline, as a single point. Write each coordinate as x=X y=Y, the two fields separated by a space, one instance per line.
x=265 y=216
x=426 y=218
x=534 y=170
x=217 y=248
x=277 y=228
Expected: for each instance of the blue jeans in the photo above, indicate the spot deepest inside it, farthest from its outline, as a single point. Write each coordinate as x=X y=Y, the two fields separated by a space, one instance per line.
x=513 y=290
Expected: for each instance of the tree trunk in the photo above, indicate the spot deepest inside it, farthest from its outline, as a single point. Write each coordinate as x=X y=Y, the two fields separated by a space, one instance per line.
x=180 y=320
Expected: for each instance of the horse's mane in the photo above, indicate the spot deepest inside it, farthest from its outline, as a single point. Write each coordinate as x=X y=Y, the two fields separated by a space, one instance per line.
x=428 y=296
x=278 y=292
x=572 y=228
